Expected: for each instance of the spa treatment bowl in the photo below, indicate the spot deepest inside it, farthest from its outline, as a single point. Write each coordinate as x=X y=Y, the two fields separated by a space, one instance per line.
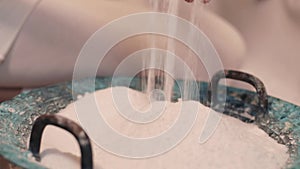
x=18 y=115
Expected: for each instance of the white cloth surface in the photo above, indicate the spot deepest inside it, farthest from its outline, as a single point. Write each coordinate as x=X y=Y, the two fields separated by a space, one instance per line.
x=51 y=39
x=13 y=14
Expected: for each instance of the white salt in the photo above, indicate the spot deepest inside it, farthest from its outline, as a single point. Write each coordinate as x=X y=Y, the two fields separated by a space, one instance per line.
x=234 y=144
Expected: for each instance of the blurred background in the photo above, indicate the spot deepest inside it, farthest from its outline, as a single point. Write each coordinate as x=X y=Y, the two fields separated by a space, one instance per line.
x=40 y=40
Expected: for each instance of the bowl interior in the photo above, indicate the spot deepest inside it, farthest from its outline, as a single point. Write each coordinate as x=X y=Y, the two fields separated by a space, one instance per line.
x=17 y=116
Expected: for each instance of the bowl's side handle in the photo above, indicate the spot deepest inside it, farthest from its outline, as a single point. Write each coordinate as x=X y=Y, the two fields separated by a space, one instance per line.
x=66 y=124
x=241 y=76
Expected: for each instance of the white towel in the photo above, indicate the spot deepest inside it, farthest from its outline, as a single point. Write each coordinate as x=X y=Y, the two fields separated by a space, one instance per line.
x=13 y=13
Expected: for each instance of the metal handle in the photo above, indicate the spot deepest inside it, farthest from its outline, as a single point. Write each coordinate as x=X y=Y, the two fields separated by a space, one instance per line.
x=204 y=1
x=241 y=76
x=66 y=124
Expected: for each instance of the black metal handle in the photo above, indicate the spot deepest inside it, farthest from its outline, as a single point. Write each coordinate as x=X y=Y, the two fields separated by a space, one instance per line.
x=64 y=123
x=204 y=1
x=241 y=76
